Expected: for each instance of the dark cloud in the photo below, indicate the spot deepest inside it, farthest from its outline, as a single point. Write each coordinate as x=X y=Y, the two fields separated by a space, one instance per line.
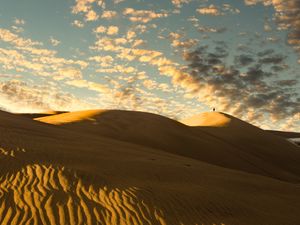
x=272 y=59
x=245 y=83
x=279 y=68
x=207 y=29
x=287 y=82
x=265 y=52
x=256 y=74
x=244 y=60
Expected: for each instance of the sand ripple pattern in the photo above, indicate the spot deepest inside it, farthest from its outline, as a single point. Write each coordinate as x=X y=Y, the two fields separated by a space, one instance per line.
x=40 y=194
x=10 y=153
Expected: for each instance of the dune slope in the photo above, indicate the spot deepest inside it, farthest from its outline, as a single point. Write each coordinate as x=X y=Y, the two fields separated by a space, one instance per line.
x=54 y=175
x=218 y=139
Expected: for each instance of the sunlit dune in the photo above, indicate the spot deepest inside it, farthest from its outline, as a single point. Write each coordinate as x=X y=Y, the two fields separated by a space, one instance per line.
x=70 y=117
x=212 y=119
x=116 y=167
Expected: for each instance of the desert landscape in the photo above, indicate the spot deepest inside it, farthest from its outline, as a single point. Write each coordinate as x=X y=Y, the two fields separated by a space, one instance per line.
x=129 y=167
x=140 y=112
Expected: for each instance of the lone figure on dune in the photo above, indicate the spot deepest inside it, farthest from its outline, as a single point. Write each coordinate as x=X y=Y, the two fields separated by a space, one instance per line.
x=214 y=109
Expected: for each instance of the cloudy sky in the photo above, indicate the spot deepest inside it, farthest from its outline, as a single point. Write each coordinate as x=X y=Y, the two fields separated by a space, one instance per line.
x=172 y=57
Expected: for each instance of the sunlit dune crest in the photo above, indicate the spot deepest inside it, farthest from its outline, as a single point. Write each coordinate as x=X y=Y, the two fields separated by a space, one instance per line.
x=209 y=119
x=69 y=117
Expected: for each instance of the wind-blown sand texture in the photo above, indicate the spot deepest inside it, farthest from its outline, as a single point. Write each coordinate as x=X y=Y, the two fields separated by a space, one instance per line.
x=124 y=167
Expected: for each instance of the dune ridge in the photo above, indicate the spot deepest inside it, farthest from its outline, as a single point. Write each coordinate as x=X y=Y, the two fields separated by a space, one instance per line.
x=228 y=142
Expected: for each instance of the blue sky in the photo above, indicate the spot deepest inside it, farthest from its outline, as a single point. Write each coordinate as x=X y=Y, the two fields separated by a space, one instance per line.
x=172 y=57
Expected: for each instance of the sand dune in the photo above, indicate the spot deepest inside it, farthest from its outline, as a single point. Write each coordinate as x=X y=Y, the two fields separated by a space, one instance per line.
x=73 y=174
x=285 y=134
x=209 y=119
x=215 y=138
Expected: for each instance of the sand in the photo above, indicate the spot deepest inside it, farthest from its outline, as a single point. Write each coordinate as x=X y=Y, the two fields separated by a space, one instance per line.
x=122 y=167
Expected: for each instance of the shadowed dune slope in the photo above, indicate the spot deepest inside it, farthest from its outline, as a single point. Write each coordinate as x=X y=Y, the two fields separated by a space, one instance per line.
x=53 y=175
x=42 y=114
x=285 y=134
x=214 y=138
x=273 y=151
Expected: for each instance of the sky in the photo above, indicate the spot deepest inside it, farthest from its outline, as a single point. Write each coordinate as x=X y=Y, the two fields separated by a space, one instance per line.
x=176 y=58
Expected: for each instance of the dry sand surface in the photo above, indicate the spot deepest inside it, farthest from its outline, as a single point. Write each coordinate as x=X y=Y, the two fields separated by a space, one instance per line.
x=124 y=167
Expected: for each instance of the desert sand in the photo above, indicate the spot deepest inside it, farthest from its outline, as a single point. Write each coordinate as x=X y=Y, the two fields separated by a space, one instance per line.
x=125 y=167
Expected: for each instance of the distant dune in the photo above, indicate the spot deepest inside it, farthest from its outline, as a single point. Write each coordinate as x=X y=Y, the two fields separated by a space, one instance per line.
x=285 y=134
x=124 y=167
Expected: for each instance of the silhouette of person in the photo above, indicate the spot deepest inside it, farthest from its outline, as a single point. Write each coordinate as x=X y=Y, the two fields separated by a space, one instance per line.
x=214 y=109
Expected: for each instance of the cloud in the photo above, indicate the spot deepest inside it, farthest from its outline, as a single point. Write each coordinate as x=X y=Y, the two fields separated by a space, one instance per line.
x=54 y=41
x=18 y=96
x=208 y=29
x=91 y=16
x=179 y=3
x=108 y=14
x=78 y=24
x=112 y=30
x=143 y=16
x=150 y=84
x=179 y=41
x=153 y=85
x=118 y=1
x=214 y=10
x=80 y=83
x=287 y=17
x=118 y=69
x=27 y=56
x=243 y=60
x=210 y=10
x=104 y=61
x=236 y=88
x=82 y=6
x=19 y=21
x=68 y=73
x=288 y=83
x=85 y=7
x=100 y=29
x=14 y=39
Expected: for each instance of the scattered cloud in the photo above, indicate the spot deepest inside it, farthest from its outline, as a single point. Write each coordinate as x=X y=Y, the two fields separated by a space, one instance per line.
x=112 y=30
x=78 y=24
x=180 y=3
x=143 y=16
x=287 y=17
x=210 y=10
x=230 y=89
x=91 y=16
x=54 y=41
x=214 y=10
x=108 y=14
x=18 y=96
x=80 y=83
x=19 y=21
